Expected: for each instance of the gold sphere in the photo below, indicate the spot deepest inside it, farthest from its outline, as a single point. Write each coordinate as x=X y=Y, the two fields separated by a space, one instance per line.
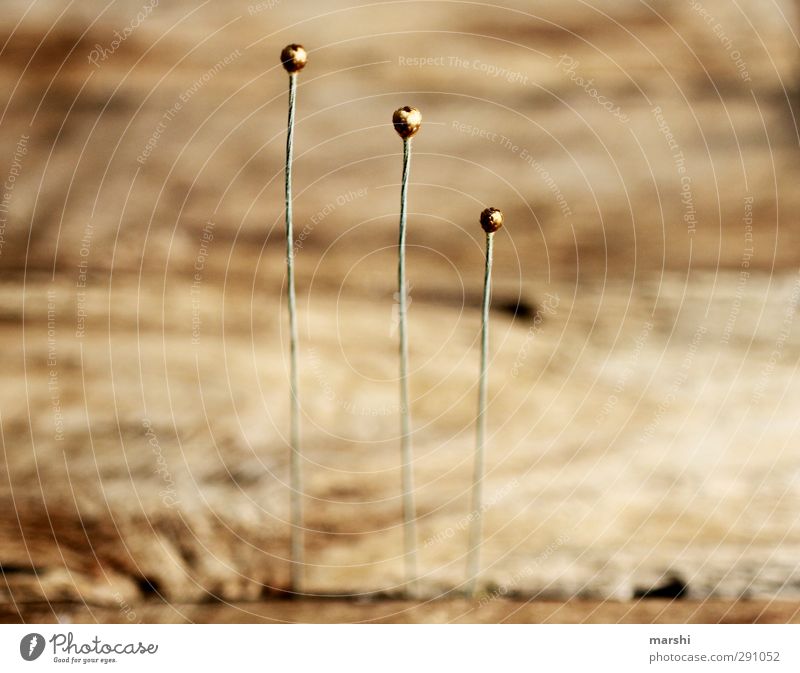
x=294 y=58
x=407 y=121
x=491 y=220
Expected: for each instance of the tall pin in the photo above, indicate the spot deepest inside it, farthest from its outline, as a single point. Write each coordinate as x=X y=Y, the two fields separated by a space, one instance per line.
x=491 y=220
x=406 y=122
x=293 y=58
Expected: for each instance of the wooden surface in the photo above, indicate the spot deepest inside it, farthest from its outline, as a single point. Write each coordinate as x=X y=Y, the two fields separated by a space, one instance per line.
x=643 y=391
x=501 y=611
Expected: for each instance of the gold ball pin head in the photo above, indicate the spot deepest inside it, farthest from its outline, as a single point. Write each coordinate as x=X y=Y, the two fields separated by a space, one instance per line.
x=407 y=121
x=294 y=58
x=491 y=220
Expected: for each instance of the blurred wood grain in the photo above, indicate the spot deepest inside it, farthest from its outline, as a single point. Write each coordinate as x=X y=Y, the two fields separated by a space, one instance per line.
x=643 y=389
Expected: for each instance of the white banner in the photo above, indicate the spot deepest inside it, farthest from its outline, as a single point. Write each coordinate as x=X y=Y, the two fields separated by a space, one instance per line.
x=400 y=648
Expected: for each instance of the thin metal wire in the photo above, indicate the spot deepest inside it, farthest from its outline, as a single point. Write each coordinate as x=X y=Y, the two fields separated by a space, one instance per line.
x=295 y=477
x=476 y=525
x=409 y=514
